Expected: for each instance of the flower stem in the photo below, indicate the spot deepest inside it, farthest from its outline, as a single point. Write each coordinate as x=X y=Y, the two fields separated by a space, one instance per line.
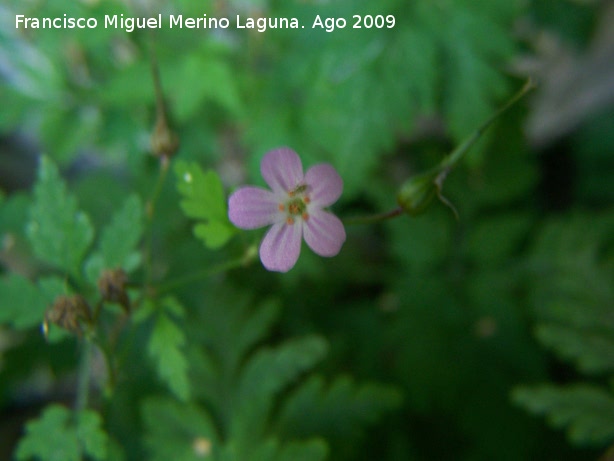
x=83 y=377
x=453 y=157
x=415 y=193
x=150 y=212
x=373 y=218
x=244 y=260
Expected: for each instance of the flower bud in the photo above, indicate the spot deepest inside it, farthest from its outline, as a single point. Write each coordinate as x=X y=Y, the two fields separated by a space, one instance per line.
x=69 y=312
x=417 y=193
x=112 y=287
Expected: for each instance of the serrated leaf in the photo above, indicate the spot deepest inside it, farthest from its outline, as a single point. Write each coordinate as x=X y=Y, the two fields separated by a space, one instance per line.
x=214 y=233
x=54 y=437
x=266 y=374
x=592 y=350
x=118 y=240
x=204 y=200
x=51 y=288
x=165 y=347
x=22 y=305
x=49 y=439
x=471 y=83
x=271 y=449
x=59 y=233
x=209 y=79
x=587 y=412
x=177 y=431
x=271 y=369
x=257 y=325
x=144 y=312
x=308 y=450
x=338 y=410
x=92 y=437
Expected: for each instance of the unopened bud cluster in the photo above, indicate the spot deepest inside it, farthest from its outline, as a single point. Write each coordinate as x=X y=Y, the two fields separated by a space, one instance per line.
x=69 y=312
x=73 y=313
x=112 y=287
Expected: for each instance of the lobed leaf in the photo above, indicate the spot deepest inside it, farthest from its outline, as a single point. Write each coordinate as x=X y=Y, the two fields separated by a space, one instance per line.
x=92 y=437
x=165 y=347
x=266 y=374
x=593 y=351
x=271 y=369
x=338 y=410
x=55 y=437
x=178 y=431
x=22 y=305
x=118 y=240
x=587 y=412
x=308 y=450
x=204 y=200
x=59 y=233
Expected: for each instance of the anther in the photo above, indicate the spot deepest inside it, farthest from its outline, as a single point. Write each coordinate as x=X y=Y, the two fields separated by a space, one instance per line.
x=281 y=207
x=305 y=216
x=290 y=220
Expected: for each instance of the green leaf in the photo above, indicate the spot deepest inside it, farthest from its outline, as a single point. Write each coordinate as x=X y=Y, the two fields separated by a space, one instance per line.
x=271 y=449
x=309 y=450
x=59 y=233
x=118 y=240
x=199 y=79
x=166 y=348
x=587 y=412
x=256 y=326
x=54 y=436
x=177 y=431
x=91 y=435
x=271 y=369
x=572 y=290
x=265 y=374
x=472 y=39
x=50 y=438
x=592 y=350
x=22 y=305
x=495 y=238
x=338 y=410
x=232 y=331
x=204 y=200
x=51 y=288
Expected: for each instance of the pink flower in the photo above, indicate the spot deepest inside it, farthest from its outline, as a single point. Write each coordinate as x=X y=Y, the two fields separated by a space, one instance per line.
x=294 y=207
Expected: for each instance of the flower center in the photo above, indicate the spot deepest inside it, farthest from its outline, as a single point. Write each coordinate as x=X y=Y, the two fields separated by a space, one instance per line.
x=296 y=205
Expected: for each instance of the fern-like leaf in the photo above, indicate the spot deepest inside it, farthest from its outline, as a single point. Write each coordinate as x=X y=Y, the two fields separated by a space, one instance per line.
x=587 y=412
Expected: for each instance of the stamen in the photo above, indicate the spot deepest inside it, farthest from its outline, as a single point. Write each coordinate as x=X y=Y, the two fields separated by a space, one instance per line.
x=306 y=199
x=305 y=216
x=281 y=207
x=290 y=220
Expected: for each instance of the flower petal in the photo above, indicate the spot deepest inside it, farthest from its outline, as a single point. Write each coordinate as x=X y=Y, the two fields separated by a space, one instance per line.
x=325 y=184
x=282 y=169
x=324 y=233
x=281 y=247
x=252 y=207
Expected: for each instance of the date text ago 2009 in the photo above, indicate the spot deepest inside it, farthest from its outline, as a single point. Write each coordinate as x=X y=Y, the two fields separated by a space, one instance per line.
x=358 y=21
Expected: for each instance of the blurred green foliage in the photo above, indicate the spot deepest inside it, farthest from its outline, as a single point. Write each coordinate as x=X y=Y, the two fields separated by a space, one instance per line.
x=426 y=338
